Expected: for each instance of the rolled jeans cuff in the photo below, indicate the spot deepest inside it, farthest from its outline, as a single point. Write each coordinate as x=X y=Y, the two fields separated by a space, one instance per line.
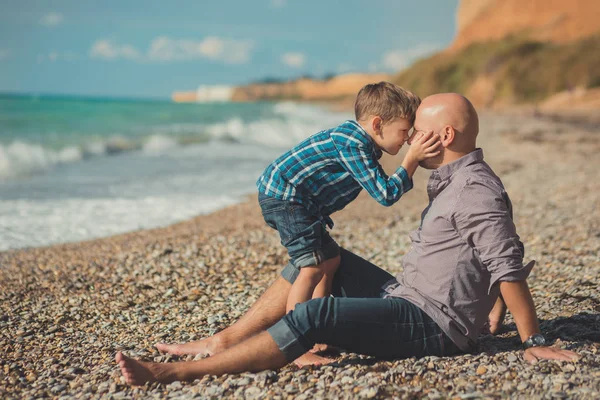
x=287 y=341
x=315 y=257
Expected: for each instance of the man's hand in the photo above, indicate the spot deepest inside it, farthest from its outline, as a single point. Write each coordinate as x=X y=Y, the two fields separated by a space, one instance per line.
x=534 y=354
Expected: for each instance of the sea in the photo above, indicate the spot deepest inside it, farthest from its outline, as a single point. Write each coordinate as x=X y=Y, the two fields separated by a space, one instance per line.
x=73 y=169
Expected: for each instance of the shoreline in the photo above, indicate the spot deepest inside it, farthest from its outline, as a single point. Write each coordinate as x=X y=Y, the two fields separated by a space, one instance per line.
x=66 y=309
x=579 y=119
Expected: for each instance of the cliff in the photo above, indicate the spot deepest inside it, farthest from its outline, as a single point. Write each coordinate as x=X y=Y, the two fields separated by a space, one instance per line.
x=544 y=20
x=510 y=52
x=504 y=52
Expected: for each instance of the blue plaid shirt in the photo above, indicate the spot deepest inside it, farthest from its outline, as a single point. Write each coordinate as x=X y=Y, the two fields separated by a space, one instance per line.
x=326 y=171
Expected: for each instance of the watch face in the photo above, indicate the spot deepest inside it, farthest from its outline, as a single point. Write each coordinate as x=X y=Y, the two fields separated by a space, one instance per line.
x=538 y=340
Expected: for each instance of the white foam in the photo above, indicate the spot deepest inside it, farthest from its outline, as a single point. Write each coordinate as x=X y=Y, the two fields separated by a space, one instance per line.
x=22 y=159
x=70 y=154
x=158 y=144
x=96 y=148
x=26 y=223
x=292 y=123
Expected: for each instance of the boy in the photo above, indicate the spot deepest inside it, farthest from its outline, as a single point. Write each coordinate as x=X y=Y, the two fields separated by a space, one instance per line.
x=301 y=189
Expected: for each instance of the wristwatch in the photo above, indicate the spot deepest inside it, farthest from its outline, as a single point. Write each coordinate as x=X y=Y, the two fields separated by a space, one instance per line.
x=535 y=340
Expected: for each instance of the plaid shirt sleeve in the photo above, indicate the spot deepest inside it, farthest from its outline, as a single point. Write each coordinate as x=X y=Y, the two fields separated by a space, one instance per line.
x=360 y=161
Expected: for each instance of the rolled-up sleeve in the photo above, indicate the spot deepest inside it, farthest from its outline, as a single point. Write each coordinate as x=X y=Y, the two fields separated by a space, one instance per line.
x=484 y=221
x=357 y=158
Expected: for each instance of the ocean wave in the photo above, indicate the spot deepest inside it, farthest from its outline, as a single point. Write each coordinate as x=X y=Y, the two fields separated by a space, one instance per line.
x=22 y=159
x=287 y=124
x=157 y=144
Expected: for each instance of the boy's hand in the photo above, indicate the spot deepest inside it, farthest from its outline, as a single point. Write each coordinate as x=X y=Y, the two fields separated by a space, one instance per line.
x=423 y=145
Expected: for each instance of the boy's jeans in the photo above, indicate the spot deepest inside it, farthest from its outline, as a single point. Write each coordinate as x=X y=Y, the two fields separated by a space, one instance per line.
x=358 y=319
x=304 y=236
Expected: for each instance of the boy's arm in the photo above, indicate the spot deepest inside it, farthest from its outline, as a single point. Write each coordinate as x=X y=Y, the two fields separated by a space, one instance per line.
x=360 y=162
x=518 y=300
x=410 y=164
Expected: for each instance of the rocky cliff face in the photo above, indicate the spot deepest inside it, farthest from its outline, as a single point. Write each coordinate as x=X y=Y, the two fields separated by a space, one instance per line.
x=552 y=20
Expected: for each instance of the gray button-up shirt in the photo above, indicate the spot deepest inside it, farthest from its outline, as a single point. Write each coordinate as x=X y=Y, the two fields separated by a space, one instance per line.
x=467 y=243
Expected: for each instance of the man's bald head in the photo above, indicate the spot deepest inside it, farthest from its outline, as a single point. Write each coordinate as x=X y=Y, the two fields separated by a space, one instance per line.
x=454 y=119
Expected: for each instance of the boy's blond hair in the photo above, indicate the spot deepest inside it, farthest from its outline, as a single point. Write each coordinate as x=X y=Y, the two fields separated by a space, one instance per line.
x=386 y=100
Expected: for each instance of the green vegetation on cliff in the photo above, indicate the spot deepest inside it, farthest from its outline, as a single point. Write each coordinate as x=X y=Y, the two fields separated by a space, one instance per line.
x=515 y=70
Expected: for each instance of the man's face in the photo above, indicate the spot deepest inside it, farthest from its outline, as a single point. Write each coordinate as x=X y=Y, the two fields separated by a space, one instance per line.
x=425 y=123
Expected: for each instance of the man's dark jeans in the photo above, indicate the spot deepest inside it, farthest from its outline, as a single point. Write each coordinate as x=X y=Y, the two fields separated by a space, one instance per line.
x=358 y=319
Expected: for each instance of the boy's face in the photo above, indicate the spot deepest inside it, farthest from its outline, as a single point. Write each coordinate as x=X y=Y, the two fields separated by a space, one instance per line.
x=392 y=135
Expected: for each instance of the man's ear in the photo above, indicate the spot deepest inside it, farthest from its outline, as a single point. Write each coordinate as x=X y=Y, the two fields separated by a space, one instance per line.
x=447 y=136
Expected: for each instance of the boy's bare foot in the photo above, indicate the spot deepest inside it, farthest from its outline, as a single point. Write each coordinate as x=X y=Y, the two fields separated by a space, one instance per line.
x=320 y=348
x=139 y=372
x=496 y=316
x=312 y=359
x=325 y=349
x=208 y=346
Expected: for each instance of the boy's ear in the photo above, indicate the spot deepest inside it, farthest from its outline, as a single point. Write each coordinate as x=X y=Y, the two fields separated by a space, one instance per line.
x=376 y=124
x=447 y=136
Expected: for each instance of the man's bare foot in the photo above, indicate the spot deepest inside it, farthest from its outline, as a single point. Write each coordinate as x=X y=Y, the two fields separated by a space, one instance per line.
x=139 y=372
x=312 y=359
x=208 y=347
x=496 y=316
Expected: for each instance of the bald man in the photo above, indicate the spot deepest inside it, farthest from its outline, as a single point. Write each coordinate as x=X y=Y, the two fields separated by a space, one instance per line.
x=465 y=254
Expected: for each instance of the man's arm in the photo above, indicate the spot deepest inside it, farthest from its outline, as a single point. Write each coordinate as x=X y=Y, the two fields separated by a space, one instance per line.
x=484 y=221
x=518 y=300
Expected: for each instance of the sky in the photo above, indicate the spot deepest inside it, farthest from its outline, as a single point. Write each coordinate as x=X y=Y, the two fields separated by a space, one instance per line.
x=150 y=48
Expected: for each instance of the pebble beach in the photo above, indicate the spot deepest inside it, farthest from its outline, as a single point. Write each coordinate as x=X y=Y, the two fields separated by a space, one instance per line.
x=66 y=310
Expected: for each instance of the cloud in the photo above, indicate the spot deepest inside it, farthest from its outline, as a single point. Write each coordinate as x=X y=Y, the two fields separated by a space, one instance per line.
x=4 y=54
x=165 y=49
x=229 y=51
x=55 y=56
x=278 y=3
x=52 y=19
x=294 y=60
x=105 y=49
x=396 y=60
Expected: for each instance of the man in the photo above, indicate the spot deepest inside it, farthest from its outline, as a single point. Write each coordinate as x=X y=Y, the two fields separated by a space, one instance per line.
x=463 y=256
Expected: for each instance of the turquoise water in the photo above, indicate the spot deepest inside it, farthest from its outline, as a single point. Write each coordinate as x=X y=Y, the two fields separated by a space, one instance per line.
x=103 y=125
x=73 y=169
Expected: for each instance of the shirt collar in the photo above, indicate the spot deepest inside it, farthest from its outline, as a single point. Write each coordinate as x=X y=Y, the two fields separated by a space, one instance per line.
x=440 y=178
x=358 y=128
x=445 y=172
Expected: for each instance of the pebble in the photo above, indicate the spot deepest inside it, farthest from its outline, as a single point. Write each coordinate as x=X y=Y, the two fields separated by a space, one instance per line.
x=66 y=310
